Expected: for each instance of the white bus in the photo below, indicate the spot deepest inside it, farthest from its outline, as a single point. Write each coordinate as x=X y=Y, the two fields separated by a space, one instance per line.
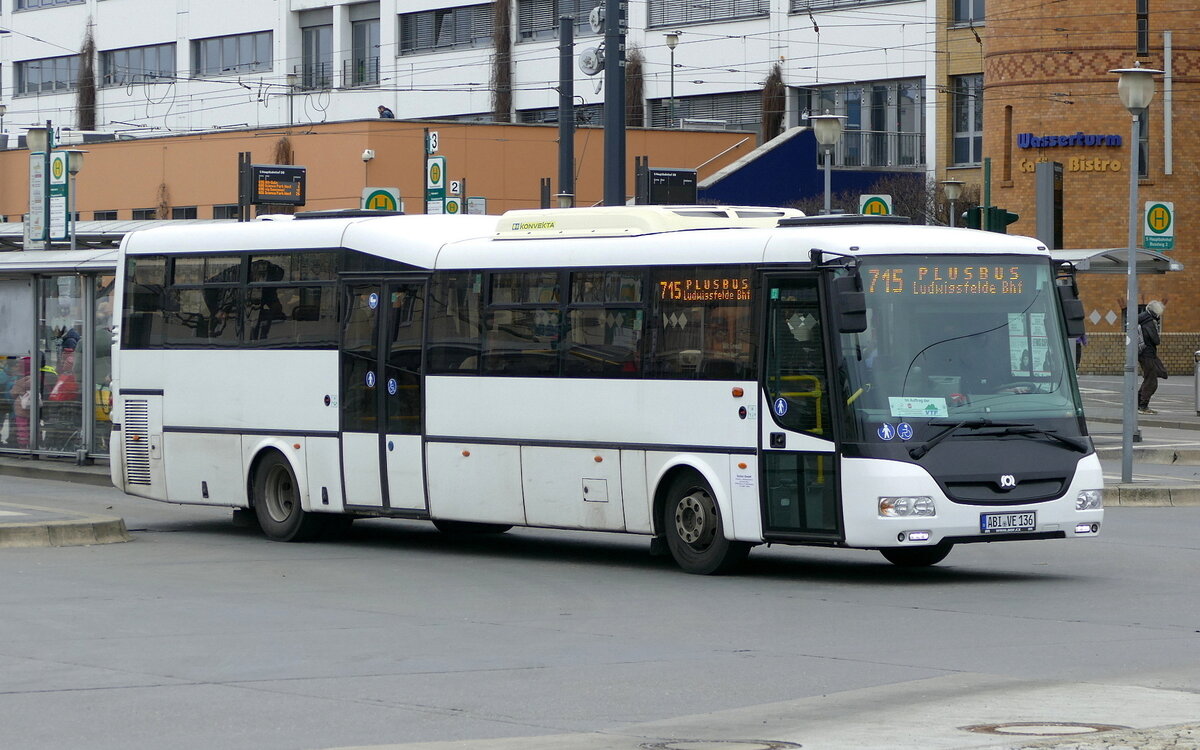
x=712 y=378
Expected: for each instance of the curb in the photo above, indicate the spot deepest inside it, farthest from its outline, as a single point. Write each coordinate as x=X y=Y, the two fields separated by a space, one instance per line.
x=1164 y=456
x=1138 y=496
x=80 y=533
x=56 y=470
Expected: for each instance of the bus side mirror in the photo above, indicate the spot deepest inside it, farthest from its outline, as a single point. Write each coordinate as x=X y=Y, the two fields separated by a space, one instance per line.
x=1072 y=308
x=849 y=304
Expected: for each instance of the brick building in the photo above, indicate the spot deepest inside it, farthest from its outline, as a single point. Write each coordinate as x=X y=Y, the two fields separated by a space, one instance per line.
x=1046 y=76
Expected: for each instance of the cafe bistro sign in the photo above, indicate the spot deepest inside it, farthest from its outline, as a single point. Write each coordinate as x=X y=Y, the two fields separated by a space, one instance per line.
x=1029 y=140
x=1074 y=164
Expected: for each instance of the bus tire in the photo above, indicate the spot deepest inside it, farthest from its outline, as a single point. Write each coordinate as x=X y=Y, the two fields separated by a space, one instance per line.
x=694 y=530
x=277 y=502
x=917 y=557
x=469 y=527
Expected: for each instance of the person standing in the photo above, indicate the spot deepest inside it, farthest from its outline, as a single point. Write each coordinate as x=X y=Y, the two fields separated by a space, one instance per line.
x=385 y=113
x=1149 y=335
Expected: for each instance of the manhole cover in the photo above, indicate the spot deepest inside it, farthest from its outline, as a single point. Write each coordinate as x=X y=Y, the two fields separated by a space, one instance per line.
x=1042 y=728
x=720 y=745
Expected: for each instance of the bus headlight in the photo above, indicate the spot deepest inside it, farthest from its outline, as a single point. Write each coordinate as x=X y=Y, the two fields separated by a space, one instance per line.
x=903 y=507
x=1089 y=500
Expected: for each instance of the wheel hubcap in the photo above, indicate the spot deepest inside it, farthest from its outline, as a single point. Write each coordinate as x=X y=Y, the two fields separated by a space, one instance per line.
x=280 y=494
x=695 y=520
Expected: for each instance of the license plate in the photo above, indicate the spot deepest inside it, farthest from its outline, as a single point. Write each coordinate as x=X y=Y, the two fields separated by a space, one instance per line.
x=995 y=523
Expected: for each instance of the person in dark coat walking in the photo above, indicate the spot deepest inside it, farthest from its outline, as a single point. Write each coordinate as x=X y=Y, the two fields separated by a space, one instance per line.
x=385 y=113
x=1150 y=328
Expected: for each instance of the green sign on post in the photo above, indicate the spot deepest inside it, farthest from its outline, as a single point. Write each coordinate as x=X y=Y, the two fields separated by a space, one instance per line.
x=1159 y=226
x=435 y=185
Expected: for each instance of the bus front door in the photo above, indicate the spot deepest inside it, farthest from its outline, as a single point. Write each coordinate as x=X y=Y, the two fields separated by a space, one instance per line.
x=800 y=499
x=382 y=465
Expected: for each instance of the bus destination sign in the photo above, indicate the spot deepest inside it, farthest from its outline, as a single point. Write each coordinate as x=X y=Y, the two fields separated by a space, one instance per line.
x=275 y=184
x=705 y=290
x=946 y=280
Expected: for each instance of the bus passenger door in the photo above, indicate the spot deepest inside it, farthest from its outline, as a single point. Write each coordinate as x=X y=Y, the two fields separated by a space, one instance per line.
x=800 y=497
x=381 y=394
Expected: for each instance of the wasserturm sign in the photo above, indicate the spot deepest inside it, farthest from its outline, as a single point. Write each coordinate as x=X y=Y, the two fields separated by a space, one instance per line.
x=1029 y=140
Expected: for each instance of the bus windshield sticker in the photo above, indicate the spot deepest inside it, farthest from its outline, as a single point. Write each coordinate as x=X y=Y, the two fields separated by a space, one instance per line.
x=904 y=431
x=393 y=386
x=886 y=431
x=373 y=301
x=909 y=406
x=370 y=379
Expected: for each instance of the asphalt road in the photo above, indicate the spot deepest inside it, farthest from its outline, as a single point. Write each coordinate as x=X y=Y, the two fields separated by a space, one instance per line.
x=199 y=634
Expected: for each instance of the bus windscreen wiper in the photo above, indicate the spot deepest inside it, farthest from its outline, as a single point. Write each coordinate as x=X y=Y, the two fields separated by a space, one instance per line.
x=971 y=424
x=1076 y=443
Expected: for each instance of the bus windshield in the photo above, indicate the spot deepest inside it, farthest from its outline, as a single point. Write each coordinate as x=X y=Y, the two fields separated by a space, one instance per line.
x=957 y=338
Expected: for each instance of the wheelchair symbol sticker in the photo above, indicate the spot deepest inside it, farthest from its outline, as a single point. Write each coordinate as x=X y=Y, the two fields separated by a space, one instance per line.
x=393 y=386
x=373 y=301
x=904 y=431
x=780 y=407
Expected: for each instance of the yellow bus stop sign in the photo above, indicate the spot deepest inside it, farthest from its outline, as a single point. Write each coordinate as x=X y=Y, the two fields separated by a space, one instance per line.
x=875 y=205
x=381 y=199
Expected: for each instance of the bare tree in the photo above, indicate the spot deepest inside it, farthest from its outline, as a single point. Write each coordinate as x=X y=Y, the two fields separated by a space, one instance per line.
x=635 y=87
x=912 y=195
x=85 y=87
x=774 y=103
x=502 y=62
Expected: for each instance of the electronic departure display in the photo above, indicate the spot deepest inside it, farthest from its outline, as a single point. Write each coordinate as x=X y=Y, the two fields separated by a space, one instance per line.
x=946 y=279
x=277 y=184
x=723 y=289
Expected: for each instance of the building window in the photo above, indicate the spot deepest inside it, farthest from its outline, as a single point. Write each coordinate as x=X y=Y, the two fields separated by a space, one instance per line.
x=1143 y=27
x=968 y=12
x=225 y=211
x=805 y=6
x=737 y=111
x=144 y=214
x=432 y=30
x=183 y=212
x=538 y=19
x=318 y=57
x=48 y=75
x=1143 y=145
x=365 y=53
x=967 y=92
x=138 y=65
x=885 y=121
x=104 y=216
x=32 y=4
x=223 y=55
x=674 y=13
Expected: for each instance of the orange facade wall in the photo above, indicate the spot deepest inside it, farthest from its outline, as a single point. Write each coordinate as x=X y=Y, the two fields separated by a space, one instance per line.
x=503 y=163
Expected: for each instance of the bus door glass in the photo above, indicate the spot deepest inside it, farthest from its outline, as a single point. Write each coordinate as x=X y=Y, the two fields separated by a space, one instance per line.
x=799 y=465
x=381 y=393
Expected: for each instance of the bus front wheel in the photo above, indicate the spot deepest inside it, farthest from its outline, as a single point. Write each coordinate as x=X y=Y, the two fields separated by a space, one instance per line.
x=277 y=503
x=917 y=557
x=695 y=533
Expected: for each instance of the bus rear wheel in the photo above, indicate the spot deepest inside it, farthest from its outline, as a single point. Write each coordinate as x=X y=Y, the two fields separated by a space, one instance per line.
x=695 y=533
x=917 y=557
x=277 y=503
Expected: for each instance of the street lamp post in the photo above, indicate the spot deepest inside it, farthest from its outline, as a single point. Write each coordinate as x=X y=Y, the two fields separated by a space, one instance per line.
x=828 y=130
x=953 y=189
x=1136 y=89
x=74 y=166
x=672 y=40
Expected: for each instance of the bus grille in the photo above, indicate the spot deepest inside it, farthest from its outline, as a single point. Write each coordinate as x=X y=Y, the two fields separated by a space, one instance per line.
x=136 y=430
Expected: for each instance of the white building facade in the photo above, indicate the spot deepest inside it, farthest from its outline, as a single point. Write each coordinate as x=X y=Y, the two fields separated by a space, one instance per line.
x=168 y=66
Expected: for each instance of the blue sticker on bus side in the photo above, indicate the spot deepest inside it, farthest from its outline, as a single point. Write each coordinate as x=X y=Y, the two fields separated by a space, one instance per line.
x=904 y=431
x=780 y=407
x=373 y=301
x=393 y=386
x=370 y=378
x=886 y=431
